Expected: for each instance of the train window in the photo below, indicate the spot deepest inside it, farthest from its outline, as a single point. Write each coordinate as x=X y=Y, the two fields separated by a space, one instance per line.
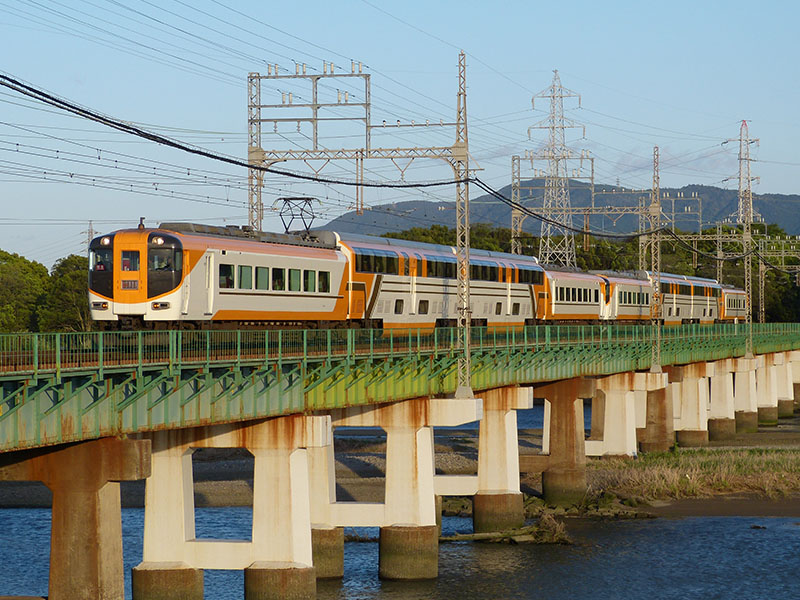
x=647 y=298
x=245 y=277
x=262 y=278
x=585 y=295
x=665 y=288
x=324 y=282
x=498 y=308
x=596 y=295
x=278 y=279
x=130 y=260
x=102 y=259
x=398 y=306
x=573 y=294
x=670 y=311
x=161 y=259
x=309 y=281
x=423 y=307
x=294 y=280
x=515 y=308
x=226 y=276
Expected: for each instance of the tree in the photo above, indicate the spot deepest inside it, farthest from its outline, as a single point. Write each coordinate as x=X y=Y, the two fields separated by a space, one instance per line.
x=65 y=304
x=22 y=283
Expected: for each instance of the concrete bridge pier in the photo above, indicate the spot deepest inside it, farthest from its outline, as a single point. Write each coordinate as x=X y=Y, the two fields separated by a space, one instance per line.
x=86 y=526
x=327 y=540
x=766 y=391
x=785 y=385
x=794 y=358
x=564 y=476
x=613 y=417
x=277 y=560
x=689 y=390
x=409 y=541
x=498 y=504
x=721 y=414
x=745 y=397
x=655 y=427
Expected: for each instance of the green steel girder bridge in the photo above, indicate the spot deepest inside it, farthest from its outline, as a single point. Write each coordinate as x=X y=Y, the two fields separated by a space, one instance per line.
x=57 y=388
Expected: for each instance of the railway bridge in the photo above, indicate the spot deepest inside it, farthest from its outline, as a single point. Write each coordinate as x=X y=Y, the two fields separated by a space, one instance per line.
x=82 y=412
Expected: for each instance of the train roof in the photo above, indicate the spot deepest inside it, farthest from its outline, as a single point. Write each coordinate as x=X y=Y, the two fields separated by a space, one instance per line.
x=398 y=243
x=314 y=239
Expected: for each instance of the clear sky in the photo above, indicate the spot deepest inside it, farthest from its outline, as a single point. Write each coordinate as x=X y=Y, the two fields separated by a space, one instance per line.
x=680 y=75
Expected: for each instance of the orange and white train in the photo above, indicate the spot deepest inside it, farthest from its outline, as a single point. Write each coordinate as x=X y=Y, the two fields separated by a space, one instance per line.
x=198 y=276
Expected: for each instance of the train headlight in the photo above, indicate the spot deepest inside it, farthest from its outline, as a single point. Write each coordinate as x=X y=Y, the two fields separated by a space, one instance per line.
x=159 y=241
x=160 y=305
x=100 y=305
x=106 y=241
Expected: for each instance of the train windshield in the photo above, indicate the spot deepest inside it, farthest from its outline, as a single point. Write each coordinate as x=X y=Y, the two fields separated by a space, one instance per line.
x=101 y=266
x=101 y=259
x=164 y=259
x=164 y=264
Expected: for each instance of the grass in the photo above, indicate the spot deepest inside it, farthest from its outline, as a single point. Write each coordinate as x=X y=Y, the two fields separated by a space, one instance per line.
x=701 y=473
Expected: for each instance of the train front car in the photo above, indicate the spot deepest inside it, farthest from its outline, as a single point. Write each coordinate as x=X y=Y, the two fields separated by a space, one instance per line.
x=135 y=276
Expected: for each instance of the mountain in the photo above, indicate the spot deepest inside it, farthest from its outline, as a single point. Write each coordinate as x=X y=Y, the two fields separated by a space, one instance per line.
x=715 y=204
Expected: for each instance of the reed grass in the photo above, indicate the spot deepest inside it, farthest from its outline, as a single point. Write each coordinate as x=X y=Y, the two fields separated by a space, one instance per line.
x=700 y=473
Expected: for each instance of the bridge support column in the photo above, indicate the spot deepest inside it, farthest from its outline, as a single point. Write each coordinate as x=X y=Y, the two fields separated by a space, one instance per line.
x=784 y=385
x=498 y=503
x=564 y=480
x=721 y=417
x=277 y=561
x=86 y=526
x=408 y=547
x=767 y=395
x=327 y=540
x=655 y=424
x=794 y=357
x=689 y=389
x=616 y=398
x=745 y=398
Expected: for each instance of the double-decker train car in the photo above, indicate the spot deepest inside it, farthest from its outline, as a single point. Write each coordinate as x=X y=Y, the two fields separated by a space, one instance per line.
x=197 y=276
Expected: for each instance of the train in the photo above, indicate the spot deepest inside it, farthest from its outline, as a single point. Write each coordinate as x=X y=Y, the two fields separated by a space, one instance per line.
x=194 y=276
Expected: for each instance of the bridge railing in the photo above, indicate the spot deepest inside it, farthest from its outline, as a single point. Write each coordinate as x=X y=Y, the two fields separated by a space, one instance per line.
x=36 y=353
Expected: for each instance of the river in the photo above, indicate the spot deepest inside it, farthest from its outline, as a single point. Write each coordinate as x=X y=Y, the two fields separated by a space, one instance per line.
x=698 y=557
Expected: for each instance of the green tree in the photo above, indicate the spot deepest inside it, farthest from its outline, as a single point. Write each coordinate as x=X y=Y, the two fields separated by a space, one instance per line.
x=22 y=283
x=65 y=305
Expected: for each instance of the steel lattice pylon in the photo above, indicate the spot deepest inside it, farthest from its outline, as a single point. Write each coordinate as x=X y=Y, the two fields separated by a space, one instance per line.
x=745 y=217
x=557 y=241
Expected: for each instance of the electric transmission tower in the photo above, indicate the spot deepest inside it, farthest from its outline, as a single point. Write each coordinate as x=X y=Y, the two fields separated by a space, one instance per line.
x=557 y=241
x=745 y=217
x=654 y=241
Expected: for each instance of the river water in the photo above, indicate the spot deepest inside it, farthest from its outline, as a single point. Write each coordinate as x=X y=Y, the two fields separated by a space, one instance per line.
x=699 y=557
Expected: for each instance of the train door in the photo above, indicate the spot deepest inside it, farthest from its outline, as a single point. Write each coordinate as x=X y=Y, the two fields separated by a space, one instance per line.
x=415 y=265
x=131 y=283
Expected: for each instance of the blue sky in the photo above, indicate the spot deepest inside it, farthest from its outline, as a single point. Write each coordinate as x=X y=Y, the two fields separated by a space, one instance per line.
x=679 y=75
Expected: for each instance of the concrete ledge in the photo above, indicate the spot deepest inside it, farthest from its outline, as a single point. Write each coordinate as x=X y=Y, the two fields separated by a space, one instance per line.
x=455 y=485
x=692 y=438
x=564 y=486
x=746 y=422
x=785 y=408
x=327 y=548
x=166 y=581
x=497 y=512
x=767 y=416
x=408 y=552
x=533 y=463
x=721 y=429
x=358 y=514
x=279 y=581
